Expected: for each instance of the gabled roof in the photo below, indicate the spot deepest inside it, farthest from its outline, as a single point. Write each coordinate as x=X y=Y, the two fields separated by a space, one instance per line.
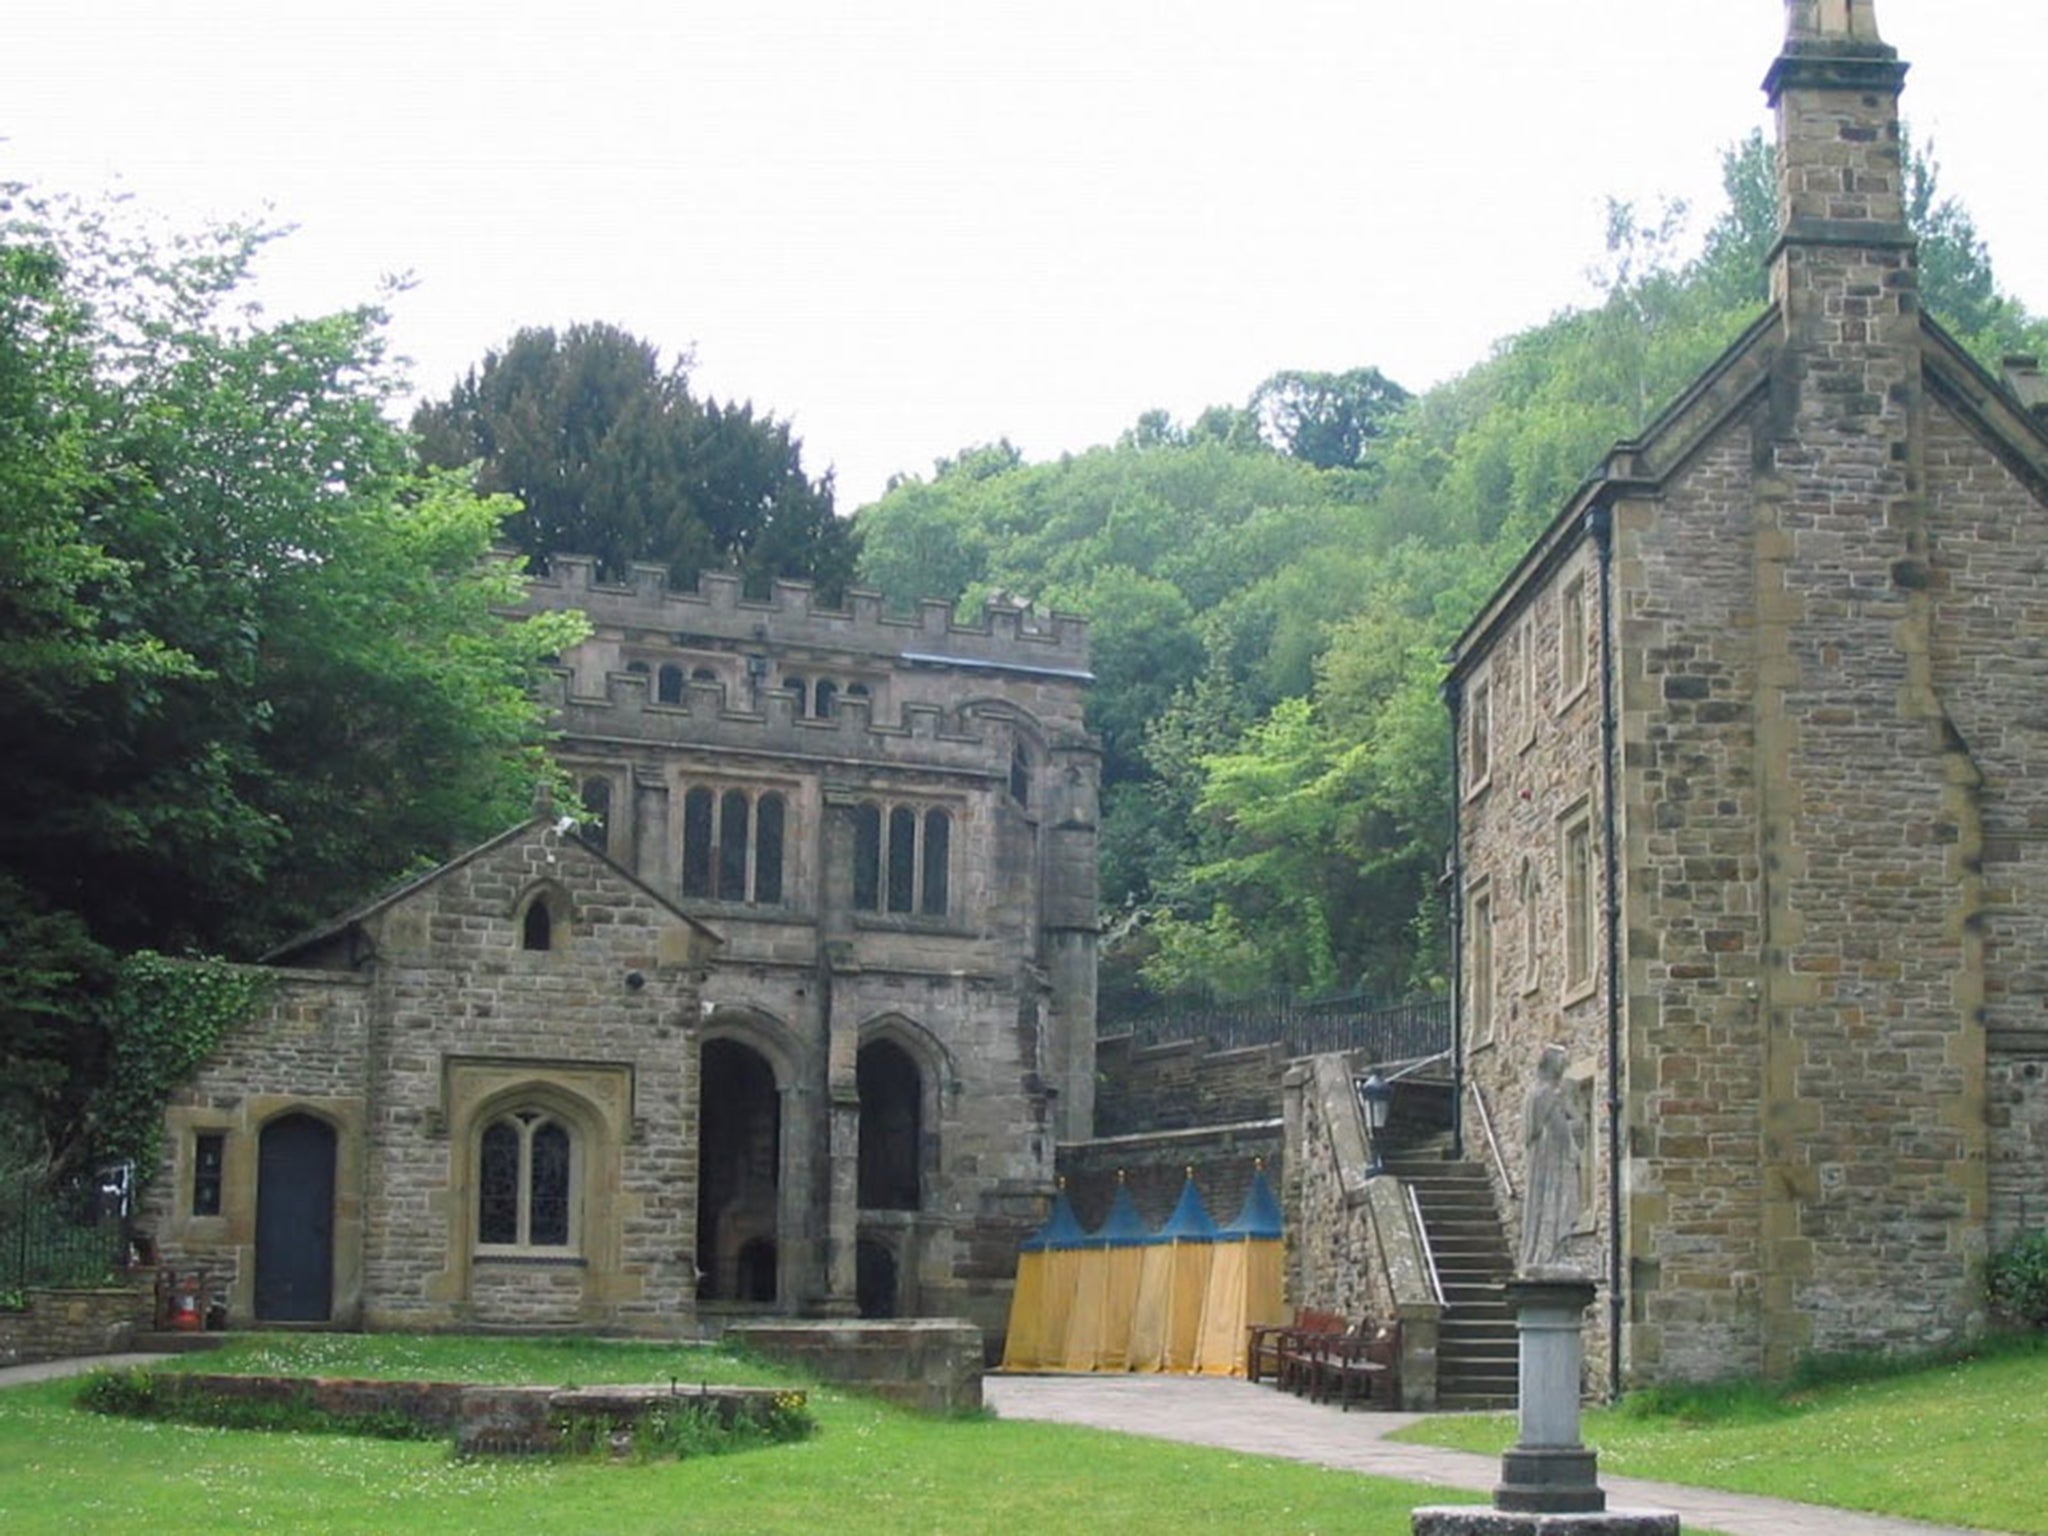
x=1736 y=380
x=334 y=928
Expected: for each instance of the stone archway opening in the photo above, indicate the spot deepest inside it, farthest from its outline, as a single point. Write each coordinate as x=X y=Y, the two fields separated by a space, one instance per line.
x=739 y=1144
x=891 y=1128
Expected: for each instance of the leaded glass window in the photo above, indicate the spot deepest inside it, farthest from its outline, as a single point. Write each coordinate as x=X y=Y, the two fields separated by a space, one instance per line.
x=526 y=1182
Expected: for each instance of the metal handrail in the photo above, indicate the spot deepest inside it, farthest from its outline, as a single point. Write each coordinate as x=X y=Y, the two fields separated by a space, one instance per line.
x=1500 y=1165
x=1436 y=1281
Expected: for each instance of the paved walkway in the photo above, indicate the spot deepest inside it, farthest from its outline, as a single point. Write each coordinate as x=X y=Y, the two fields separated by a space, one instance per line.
x=1233 y=1415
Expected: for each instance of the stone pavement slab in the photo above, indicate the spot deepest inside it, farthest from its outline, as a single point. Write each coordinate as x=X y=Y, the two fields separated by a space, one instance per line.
x=1234 y=1415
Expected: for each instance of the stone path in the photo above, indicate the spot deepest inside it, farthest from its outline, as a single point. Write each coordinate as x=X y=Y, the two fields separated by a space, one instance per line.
x=1234 y=1415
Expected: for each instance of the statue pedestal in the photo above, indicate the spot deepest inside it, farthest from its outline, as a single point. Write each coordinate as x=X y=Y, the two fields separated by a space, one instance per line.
x=1549 y=1484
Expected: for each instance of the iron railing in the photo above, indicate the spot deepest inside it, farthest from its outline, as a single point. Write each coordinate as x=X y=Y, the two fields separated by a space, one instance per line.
x=1398 y=1031
x=71 y=1234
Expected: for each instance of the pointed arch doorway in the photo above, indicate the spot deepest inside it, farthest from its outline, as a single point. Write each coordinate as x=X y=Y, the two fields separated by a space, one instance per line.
x=739 y=1156
x=295 y=1220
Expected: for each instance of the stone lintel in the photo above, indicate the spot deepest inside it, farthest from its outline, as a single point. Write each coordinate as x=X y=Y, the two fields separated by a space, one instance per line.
x=1468 y=1520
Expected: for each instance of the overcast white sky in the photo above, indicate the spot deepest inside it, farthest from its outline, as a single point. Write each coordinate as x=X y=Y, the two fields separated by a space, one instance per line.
x=911 y=225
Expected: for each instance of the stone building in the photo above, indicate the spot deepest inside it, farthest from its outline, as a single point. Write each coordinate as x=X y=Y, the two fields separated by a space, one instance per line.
x=790 y=1020
x=1753 y=801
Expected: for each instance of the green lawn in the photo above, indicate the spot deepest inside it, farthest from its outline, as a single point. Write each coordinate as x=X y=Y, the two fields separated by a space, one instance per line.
x=1959 y=1443
x=871 y=1469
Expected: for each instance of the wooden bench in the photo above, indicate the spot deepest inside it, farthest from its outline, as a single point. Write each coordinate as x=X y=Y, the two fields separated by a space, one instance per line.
x=1282 y=1350
x=1362 y=1366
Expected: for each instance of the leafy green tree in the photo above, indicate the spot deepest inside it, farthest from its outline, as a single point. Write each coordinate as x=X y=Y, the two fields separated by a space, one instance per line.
x=610 y=455
x=253 y=663
x=1327 y=419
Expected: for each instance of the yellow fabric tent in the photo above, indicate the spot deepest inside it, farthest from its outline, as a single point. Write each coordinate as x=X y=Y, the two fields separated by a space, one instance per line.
x=1244 y=1284
x=1173 y=1277
x=1040 y=1304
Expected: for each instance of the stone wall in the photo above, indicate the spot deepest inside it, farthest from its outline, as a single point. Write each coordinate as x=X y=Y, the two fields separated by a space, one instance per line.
x=933 y=1364
x=1182 y=1084
x=457 y=1023
x=1223 y=1158
x=57 y=1324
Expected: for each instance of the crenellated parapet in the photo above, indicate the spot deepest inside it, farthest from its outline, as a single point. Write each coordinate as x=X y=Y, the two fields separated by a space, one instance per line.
x=925 y=735
x=1005 y=635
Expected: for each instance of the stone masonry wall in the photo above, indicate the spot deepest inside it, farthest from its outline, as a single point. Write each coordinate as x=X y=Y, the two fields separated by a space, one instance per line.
x=1990 y=664
x=472 y=1021
x=307 y=1051
x=1182 y=1084
x=1540 y=784
x=1691 y=800
x=58 y=1324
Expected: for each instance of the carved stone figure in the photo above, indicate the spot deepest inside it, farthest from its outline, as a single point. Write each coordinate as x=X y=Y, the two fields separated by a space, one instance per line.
x=1551 y=1135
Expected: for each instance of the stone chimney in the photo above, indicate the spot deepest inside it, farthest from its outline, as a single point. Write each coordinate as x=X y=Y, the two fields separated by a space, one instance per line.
x=1841 y=192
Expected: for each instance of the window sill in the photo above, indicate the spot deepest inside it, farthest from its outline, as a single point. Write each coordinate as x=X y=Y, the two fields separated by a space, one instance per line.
x=531 y=1257
x=1579 y=993
x=910 y=922
x=1566 y=701
x=1480 y=787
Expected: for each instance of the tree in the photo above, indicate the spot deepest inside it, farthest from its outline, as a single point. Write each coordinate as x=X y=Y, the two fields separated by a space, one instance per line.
x=253 y=663
x=610 y=455
x=1327 y=419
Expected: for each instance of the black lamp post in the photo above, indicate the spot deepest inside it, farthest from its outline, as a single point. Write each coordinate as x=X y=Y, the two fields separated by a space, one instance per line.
x=1377 y=1095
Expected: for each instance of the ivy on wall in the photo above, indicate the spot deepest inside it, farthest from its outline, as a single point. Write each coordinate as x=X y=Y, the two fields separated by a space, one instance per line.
x=164 y=1019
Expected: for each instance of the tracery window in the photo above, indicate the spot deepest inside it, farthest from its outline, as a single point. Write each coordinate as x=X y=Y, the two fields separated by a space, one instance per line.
x=733 y=844
x=526 y=1182
x=901 y=859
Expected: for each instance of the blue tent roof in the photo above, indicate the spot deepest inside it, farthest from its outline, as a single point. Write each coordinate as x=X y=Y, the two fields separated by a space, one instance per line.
x=1190 y=1221
x=1123 y=1227
x=1062 y=1229
x=1260 y=1217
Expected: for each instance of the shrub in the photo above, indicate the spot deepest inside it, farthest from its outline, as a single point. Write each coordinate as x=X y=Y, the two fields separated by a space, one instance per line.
x=2016 y=1280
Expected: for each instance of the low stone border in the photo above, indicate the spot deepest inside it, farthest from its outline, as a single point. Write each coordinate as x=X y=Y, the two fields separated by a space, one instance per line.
x=61 y=1322
x=484 y=1420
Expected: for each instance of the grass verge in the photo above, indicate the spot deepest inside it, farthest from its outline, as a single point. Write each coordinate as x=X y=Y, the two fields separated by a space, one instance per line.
x=1956 y=1440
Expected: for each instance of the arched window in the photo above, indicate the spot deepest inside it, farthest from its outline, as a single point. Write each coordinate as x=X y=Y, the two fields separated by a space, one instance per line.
x=867 y=857
x=703 y=675
x=938 y=838
x=1020 y=777
x=697 y=842
x=800 y=690
x=825 y=697
x=538 y=931
x=733 y=843
x=733 y=815
x=526 y=1182
x=857 y=690
x=768 y=851
x=901 y=859
x=637 y=668
x=669 y=687
x=595 y=826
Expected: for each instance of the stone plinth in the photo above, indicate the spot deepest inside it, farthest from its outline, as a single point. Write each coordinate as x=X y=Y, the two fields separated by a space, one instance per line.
x=1476 y=1520
x=1548 y=1471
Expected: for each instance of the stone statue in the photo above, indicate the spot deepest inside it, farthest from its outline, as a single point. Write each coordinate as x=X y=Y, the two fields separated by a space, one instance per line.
x=1552 y=1139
